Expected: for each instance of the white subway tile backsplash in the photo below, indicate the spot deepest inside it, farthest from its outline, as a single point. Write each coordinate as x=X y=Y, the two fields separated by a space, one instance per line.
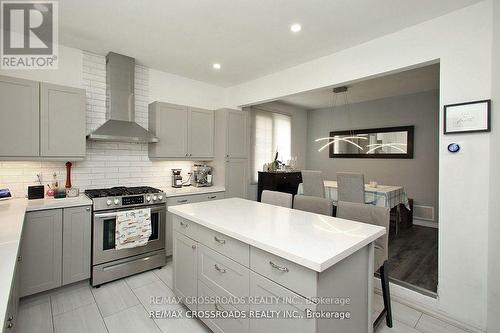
x=107 y=163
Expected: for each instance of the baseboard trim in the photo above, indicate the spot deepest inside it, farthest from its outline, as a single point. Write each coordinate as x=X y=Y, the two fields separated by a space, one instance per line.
x=425 y=223
x=425 y=304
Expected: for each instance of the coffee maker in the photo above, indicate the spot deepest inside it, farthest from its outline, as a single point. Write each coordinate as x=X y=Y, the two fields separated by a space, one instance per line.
x=176 y=178
x=201 y=175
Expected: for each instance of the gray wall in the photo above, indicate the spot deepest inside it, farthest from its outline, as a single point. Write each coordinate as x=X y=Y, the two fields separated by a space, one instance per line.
x=419 y=175
x=494 y=213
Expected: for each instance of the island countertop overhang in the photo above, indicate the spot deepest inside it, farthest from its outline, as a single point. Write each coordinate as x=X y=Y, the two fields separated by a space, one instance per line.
x=311 y=240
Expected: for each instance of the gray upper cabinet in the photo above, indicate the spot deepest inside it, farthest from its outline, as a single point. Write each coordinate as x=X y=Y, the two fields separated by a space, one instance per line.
x=76 y=244
x=41 y=256
x=62 y=120
x=45 y=120
x=183 y=132
x=169 y=123
x=19 y=117
x=201 y=133
x=236 y=138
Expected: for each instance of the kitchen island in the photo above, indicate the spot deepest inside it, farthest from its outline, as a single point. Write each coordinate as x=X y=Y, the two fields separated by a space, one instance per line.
x=265 y=268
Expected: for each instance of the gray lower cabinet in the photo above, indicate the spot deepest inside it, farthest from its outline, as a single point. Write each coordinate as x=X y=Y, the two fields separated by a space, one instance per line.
x=41 y=251
x=185 y=270
x=62 y=121
x=19 y=118
x=55 y=249
x=182 y=200
x=10 y=322
x=77 y=233
x=267 y=289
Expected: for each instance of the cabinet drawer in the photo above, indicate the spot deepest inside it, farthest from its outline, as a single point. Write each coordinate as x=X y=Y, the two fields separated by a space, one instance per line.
x=223 y=275
x=226 y=245
x=220 y=325
x=210 y=196
x=184 y=226
x=297 y=278
x=181 y=200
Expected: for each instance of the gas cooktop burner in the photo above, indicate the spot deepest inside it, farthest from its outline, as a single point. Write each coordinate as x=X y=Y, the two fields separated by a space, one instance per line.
x=120 y=191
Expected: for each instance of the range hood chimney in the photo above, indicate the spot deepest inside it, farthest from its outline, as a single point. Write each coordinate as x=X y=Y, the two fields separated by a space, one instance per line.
x=120 y=122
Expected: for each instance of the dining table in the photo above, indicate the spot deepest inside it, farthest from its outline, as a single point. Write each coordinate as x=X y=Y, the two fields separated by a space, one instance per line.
x=389 y=196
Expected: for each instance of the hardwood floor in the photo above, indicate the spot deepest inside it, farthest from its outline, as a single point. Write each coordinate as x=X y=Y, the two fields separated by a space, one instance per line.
x=413 y=257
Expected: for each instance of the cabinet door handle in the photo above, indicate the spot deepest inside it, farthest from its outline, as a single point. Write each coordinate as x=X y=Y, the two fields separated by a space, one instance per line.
x=11 y=318
x=222 y=270
x=182 y=201
x=10 y=325
x=19 y=258
x=185 y=225
x=212 y=197
x=88 y=209
x=279 y=268
x=193 y=246
x=218 y=308
x=219 y=240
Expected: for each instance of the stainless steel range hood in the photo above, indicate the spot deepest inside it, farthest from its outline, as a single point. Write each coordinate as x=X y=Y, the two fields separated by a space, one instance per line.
x=120 y=122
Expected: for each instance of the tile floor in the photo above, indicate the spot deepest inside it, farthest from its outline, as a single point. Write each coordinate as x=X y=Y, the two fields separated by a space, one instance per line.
x=122 y=306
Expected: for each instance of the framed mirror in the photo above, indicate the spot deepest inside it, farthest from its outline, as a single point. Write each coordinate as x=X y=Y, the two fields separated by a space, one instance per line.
x=389 y=142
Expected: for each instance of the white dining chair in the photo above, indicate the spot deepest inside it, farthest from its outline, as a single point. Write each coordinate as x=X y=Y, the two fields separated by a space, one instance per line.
x=378 y=216
x=313 y=204
x=277 y=198
x=313 y=183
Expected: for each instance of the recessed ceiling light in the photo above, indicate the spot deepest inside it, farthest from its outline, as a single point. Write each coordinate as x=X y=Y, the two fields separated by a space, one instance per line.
x=216 y=66
x=295 y=27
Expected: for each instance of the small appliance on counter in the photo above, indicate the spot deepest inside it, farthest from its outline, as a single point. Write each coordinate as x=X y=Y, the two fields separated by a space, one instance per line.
x=176 y=178
x=36 y=192
x=201 y=175
x=5 y=194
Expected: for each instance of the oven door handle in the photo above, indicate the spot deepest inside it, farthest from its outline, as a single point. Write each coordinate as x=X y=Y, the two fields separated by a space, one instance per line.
x=104 y=215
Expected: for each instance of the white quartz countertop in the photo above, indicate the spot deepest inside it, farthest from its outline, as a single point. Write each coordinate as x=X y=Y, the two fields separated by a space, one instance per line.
x=12 y=214
x=311 y=240
x=190 y=190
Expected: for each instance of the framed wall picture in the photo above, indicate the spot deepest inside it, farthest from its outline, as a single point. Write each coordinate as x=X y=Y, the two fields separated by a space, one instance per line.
x=467 y=117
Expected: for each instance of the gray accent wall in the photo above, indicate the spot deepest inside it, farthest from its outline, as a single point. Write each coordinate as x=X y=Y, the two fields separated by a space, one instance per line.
x=419 y=175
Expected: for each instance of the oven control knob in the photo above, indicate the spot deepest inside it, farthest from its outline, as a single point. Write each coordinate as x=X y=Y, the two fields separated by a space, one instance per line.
x=160 y=197
x=155 y=197
x=148 y=198
x=117 y=201
x=108 y=202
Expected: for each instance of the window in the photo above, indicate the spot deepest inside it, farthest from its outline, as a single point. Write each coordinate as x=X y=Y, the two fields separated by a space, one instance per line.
x=271 y=133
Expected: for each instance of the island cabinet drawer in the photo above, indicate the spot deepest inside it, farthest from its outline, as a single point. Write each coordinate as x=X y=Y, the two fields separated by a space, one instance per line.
x=210 y=196
x=220 y=325
x=185 y=227
x=295 y=277
x=226 y=277
x=230 y=247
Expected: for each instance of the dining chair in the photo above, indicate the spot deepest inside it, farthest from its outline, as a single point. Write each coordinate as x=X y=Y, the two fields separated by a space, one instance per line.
x=313 y=204
x=277 y=198
x=313 y=183
x=350 y=187
x=378 y=216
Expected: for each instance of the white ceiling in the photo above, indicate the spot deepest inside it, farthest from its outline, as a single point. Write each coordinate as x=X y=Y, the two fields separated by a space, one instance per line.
x=250 y=38
x=403 y=83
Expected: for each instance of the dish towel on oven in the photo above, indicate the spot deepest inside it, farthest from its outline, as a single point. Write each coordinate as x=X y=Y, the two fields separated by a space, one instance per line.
x=133 y=228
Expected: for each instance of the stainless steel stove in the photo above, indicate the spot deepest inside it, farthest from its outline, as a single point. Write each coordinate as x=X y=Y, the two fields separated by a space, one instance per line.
x=108 y=263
